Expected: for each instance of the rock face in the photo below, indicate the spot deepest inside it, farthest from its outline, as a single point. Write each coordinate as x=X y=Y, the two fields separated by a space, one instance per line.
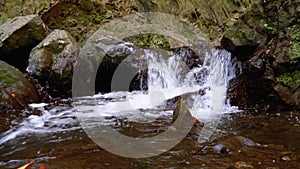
x=18 y=37
x=16 y=92
x=52 y=61
x=270 y=74
x=10 y=8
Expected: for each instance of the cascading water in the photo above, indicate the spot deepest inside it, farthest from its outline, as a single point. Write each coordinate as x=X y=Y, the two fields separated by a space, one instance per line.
x=168 y=77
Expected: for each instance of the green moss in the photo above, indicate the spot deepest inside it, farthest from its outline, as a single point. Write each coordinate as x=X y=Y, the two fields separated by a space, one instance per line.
x=55 y=47
x=290 y=79
x=294 y=43
x=149 y=41
x=7 y=79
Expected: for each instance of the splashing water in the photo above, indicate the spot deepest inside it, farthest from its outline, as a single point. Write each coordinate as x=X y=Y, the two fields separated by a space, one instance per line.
x=168 y=77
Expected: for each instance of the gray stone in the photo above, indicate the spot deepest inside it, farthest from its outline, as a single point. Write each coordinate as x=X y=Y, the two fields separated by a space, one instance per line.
x=18 y=37
x=52 y=61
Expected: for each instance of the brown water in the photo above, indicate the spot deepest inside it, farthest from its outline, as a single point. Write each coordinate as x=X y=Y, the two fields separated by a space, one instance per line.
x=243 y=140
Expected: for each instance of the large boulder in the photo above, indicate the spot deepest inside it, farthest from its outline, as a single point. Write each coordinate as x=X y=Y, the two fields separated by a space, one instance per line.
x=52 y=62
x=18 y=37
x=16 y=92
x=266 y=41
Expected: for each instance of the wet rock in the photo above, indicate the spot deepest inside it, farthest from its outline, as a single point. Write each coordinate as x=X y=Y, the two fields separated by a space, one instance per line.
x=18 y=37
x=249 y=91
x=189 y=56
x=16 y=92
x=139 y=81
x=182 y=116
x=52 y=62
x=268 y=80
x=242 y=52
x=229 y=145
x=289 y=96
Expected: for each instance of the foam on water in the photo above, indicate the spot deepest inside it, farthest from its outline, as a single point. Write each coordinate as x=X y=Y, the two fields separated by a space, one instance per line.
x=168 y=77
x=51 y=121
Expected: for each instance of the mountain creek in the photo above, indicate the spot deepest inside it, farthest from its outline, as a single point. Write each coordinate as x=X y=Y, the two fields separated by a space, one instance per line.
x=146 y=84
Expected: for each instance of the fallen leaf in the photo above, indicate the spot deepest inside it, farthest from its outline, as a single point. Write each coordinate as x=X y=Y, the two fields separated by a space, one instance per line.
x=27 y=166
x=13 y=95
x=42 y=167
x=197 y=121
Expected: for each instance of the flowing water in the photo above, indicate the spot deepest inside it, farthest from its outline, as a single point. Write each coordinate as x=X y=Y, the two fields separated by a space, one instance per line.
x=52 y=135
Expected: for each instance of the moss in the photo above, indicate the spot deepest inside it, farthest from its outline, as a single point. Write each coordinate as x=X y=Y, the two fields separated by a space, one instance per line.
x=7 y=79
x=55 y=47
x=294 y=43
x=290 y=79
x=149 y=41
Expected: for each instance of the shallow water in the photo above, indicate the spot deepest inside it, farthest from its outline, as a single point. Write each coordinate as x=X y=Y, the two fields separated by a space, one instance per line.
x=248 y=139
x=53 y=134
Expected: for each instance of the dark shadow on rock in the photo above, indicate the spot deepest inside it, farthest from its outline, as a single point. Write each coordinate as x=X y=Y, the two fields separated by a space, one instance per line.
x=242 y=53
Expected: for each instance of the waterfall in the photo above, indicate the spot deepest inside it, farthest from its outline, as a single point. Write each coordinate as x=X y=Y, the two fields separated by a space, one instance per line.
x=171 y=74
x=168 y=76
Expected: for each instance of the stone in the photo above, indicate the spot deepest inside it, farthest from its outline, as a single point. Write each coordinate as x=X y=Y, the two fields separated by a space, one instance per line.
x=268 y=79
x=229 y=145
x=288 y=95
x=16 y=92
x=18 y=37
x=11 y=8
x=242 y=164
x=52 y=61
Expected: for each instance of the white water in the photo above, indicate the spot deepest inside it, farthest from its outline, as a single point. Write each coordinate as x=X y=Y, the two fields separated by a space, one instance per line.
x=167 y=78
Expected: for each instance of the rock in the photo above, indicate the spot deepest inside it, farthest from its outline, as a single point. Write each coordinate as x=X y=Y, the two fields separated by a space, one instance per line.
x=229 y=145
x=16 y=92
x=242 y=52
x=186 y=54
x=18 y=37
x=269 y=76
x=98 y=60
x=120 y=65
x=139 y=81
x=211 y=16
x=289 y=96
x=52 y=62
x=242 y=164
x=249 y=91
x=10 y=8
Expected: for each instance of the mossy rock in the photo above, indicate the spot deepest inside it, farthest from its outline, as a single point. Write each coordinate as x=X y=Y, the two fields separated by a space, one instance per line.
x=291 y=80
x=16 y=92
x=149 y=41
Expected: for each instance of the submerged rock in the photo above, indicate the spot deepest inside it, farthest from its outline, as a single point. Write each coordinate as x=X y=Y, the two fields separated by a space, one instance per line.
x=18 y=37
x=16 y=92
x=229 y=145
x=52 y=62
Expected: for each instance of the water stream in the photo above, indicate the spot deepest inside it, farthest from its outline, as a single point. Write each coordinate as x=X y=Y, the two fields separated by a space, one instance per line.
x=53 y=136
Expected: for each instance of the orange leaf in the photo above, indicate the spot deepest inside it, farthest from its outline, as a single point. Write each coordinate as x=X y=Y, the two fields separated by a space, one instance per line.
x=27 y=166
x=13 y=95
x=42 y=167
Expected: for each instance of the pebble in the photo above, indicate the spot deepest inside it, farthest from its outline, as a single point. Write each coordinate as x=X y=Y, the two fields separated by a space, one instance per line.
x=242 y=164
x=286 y=158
